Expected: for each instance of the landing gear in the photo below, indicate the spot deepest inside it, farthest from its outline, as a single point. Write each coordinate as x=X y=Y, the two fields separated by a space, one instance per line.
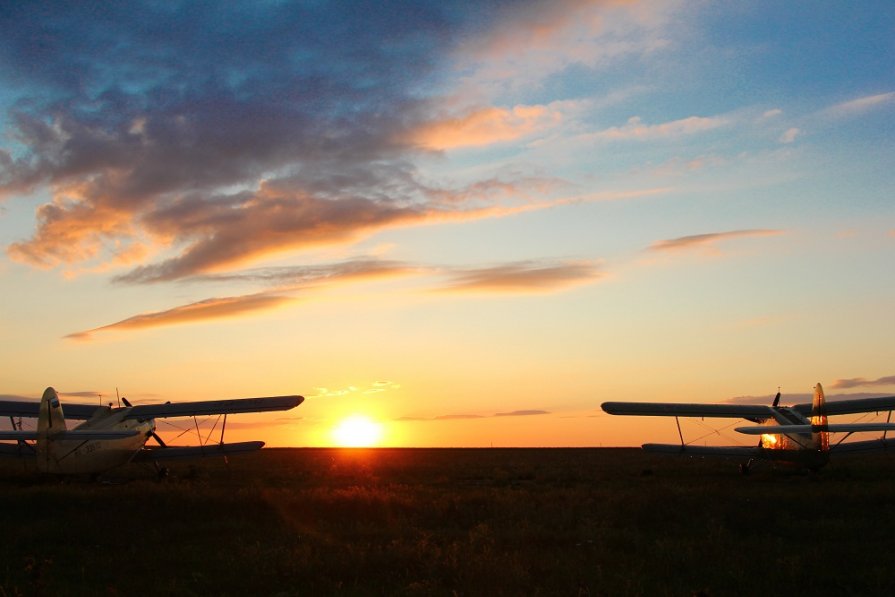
x=161 y=472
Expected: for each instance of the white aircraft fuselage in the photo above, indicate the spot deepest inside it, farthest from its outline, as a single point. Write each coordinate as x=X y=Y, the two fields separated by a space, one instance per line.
x=82 y=456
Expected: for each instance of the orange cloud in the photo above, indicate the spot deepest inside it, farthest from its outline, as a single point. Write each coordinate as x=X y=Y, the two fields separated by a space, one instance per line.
x=524 y=276
x=706 y=240
x=858 y=382
x=515 y=413
x=220 y=232
x=485 y=126
x=71 y=231
x=215 y=308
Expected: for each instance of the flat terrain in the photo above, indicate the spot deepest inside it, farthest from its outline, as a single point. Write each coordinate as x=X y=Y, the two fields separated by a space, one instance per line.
x=452 y=522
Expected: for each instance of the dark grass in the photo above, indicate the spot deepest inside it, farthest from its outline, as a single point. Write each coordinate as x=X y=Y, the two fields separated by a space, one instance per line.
x=446 y=522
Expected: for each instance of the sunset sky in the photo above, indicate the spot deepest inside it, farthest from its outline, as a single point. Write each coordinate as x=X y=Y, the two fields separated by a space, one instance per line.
x=472 y=222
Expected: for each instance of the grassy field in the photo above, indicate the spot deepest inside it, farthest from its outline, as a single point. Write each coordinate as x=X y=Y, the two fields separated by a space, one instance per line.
x=452 y=522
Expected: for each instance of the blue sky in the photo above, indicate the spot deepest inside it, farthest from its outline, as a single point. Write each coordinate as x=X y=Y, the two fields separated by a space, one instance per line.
x=469 y=209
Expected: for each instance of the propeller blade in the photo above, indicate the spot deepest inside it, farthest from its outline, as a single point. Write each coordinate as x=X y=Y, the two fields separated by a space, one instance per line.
x=776 y=400
x=156 y=437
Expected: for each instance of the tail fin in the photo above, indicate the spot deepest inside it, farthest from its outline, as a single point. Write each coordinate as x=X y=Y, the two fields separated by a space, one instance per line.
x=50 y=420
x=820 y=435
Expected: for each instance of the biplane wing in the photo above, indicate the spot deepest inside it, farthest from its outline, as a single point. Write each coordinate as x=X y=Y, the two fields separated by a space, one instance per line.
x=71 y=434
x=212 y=407
x=172 y=452
x=734 y=451
x=870 y=445
x=29 y=409
x=850 y=407
x=831 y=428
x=667 y=409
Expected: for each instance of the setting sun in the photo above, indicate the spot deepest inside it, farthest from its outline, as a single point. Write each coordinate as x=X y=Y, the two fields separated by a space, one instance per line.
x=357 y=431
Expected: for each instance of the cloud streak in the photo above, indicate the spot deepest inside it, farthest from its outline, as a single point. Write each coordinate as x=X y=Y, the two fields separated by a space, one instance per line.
x=215 y=308
x=464 y=417
x=861 y=105
x=284 y=282
x=706 y=241
x=860 y=382
x=524 y=276
x=636 y=129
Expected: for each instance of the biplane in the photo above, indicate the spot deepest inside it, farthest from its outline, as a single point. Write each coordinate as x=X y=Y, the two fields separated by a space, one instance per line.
x=799 y=435
x=110 y=437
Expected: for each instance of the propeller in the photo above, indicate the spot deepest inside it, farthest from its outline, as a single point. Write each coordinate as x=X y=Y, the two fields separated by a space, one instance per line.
x=774 y=405
x=152 y=433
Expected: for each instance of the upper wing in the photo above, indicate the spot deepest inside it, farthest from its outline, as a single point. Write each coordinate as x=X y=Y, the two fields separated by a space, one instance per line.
x=847 y=407
x=72 y=434
x=19 y=408
x=213 y=407
x=667 y=409
x=28 y=408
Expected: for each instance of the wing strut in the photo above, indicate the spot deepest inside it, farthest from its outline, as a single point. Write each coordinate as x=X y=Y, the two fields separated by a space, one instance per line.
x=198 y=433
x=677 y=420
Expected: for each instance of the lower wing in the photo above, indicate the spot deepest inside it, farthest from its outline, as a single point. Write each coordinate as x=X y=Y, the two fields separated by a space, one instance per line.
x=870 y=445
x=154 y=454
x=736 y=451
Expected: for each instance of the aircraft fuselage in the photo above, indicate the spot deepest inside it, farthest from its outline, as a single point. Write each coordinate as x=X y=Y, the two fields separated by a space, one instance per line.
x=87 y=456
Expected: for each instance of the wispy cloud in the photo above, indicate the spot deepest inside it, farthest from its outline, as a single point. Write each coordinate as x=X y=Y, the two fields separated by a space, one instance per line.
x=790 y=135
x=461 y=417
x=376 y=387
x=529 y=42
x=799 y=398
x=457 y=417
x=707 y=241
x=307 y=276
x=522 y=413
x=525 y=276
x=521 y=277
x=860 y=382
x=860 y=105
x=636 y=129
x=215 y=308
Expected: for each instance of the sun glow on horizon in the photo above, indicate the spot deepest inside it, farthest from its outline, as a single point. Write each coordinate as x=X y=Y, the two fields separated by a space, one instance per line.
x=357 y=431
